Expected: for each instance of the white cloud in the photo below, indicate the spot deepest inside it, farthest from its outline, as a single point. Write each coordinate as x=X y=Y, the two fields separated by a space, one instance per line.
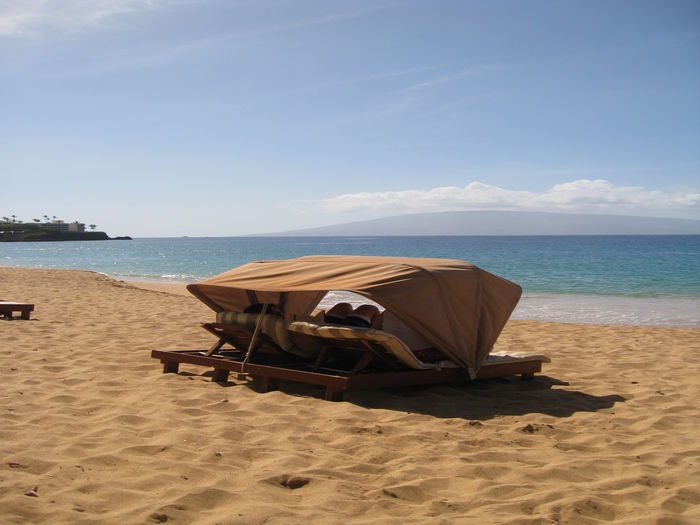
x=31 y=17
x=577 y=196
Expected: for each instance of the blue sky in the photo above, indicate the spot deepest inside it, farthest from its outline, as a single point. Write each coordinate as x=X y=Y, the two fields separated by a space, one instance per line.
x=156 y=118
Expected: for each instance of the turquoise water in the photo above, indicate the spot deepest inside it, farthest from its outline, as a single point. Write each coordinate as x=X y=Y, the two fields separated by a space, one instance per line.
x=567 y=276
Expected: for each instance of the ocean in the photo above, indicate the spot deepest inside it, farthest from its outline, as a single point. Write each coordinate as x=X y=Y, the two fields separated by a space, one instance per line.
x=639 y=280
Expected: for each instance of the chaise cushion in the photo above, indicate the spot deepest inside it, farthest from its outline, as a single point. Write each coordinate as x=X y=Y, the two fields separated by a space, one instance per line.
x=272 y=326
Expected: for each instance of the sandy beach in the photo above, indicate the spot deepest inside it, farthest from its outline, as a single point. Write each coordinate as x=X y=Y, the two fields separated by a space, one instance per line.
x=609 y=432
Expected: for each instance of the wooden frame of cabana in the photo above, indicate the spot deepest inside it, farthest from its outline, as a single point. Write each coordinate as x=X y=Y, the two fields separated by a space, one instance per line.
x=336 y=383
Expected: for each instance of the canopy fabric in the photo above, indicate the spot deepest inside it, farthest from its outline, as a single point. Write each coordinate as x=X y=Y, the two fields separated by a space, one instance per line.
x=458 y=307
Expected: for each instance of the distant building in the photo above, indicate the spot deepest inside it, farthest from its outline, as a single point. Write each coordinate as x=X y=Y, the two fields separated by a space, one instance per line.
x=60 y=226
x=55 y=225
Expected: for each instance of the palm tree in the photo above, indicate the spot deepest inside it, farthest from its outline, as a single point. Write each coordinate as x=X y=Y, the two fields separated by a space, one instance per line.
x=92 y=227
x=14 y=218
x=36 y=220
x=6 y=219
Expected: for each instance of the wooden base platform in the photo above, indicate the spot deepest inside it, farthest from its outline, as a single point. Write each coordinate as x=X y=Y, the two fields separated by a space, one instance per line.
x=336 y=382
x=7 y=308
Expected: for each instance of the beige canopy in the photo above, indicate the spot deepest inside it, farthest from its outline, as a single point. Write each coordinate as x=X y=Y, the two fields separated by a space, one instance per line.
x=459 y=308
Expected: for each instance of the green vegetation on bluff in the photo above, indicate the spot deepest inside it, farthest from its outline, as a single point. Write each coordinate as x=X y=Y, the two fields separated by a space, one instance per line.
x=52 y=229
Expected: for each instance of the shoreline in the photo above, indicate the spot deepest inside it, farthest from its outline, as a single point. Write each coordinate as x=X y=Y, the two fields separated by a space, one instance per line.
x=669 y=311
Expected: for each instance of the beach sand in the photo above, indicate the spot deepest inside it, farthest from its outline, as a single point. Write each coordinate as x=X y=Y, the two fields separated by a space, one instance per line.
x=608 y=432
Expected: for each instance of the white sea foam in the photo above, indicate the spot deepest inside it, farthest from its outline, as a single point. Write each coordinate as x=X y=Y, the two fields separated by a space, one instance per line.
x=603 y=309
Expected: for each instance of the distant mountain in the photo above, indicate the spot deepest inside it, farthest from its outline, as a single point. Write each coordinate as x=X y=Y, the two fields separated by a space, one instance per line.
x=505 y=223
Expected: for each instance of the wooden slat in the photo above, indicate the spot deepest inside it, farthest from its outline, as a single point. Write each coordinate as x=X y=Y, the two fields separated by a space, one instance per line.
x=524 y=367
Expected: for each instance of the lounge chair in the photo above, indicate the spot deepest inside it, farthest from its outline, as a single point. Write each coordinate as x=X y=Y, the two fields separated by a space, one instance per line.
x=388 y=351
x=384 y=351
x=260 y=336
x=371 y=346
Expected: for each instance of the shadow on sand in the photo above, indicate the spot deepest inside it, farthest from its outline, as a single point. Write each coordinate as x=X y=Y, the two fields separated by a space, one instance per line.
x=482 y=400
x=479 y=400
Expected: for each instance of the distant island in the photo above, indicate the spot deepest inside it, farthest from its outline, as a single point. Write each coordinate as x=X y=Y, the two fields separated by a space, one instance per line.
x=13 y=230
x=505 y=223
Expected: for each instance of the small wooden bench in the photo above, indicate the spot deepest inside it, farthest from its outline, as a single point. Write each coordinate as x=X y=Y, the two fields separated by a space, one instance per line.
x=8 y=307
